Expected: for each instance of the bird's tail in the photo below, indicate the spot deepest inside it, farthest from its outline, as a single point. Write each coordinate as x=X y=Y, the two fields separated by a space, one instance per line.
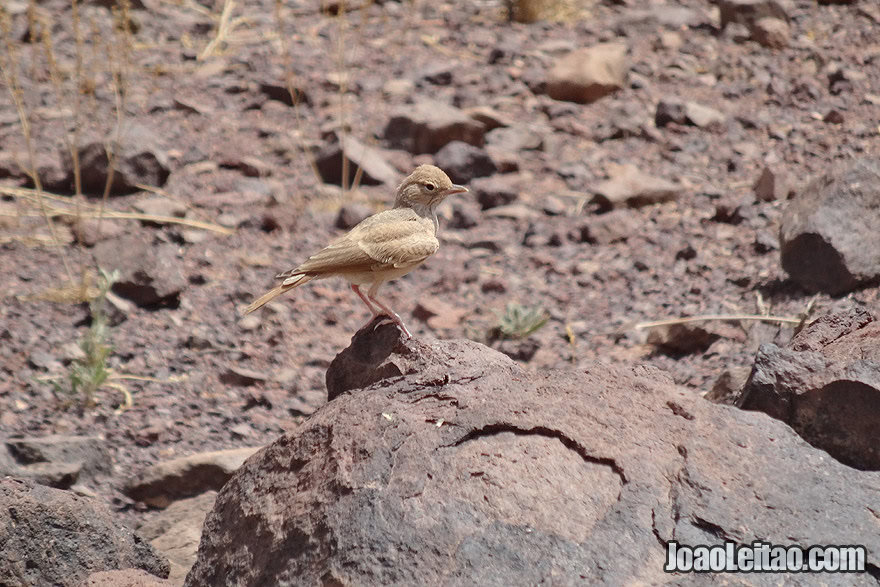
x=273 y=293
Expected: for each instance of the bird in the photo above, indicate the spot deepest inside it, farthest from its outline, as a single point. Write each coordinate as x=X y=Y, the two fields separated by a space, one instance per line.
x=381 y=247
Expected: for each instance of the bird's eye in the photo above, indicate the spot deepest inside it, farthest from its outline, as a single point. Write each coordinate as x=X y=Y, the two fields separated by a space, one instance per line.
x=429 y=187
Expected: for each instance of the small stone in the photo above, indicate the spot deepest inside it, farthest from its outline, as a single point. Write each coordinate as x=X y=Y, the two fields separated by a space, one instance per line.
x=833 y=117
x=515 y=138
x=160 y=206
x=242 y=377
x=771 y=32
x=692 y=113
x=488 y=117
x=167 y=481
x=630 y=186
x=771 y=185
x=139 y=159
x=250 y=322
x=492 y=192
x=438 y=313
x=373 y=166
x=585 y=75
x=428 y=125
x=463 y=162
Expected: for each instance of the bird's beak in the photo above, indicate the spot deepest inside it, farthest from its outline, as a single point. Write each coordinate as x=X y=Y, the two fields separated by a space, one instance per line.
x=456 y=189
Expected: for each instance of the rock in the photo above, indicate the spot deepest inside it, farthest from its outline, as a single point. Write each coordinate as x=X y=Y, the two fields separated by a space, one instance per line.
x=515 y=211
x=833 y=117
x=682 y=339
x=399 y=87
x=150 y=276
x=728 y=388
x=351 y=214
x=632 y=187
x=488 y=117
x=465 y=214
x=825 y=385
x=522 y=350
x=690 y=113
x=54 y=537
x=772 y=185
x=439 y=74
x=748 y=12
x=438 y=313
x=242 y=377
x=515 y=138
x=56 y=460
x=428 y=125
x=771 y=32
x=139 y=159
x=375 y=170
x=463 y=162
x=702 y=116
x=275 y=90
x=248 y=165
x=126 y=578
x=492 y=192
x=531 y=11
x=828 y=233
x=461 y=467
x=50 y=171
x=612 y=227
x=160 y=206
x=183 y=477
x=364 y=360
x=175 y=532
x=587 y=74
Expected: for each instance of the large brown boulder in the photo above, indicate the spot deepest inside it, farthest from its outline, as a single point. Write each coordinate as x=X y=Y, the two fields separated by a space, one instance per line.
x=826 y=385
x=54 y=537
x=457 y=466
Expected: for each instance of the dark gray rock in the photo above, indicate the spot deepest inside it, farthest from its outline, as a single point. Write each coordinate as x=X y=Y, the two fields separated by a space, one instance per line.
x=453 y=465
x=374 y=168
x=748 y=12
x=492 y=192
x=825 y=385
x=428 y=125
x=139 y=158
x=463 y=162
x=828 y=234
x=56 y=460
x=150 y=276
x=184 y=477
x=686 y=113
x=54 y=537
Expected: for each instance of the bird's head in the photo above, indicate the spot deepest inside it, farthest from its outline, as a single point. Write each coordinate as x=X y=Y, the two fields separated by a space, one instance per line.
x=425 y=188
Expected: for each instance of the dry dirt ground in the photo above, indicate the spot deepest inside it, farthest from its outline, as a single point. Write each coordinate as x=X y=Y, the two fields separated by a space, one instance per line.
x=237 y=154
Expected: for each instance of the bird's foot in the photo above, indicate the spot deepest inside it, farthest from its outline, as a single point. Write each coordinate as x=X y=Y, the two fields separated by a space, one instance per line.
x=395 y=319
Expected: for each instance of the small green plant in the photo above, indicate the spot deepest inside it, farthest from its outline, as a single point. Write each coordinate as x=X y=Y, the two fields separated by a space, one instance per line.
x=90 y=372
x=520 y=321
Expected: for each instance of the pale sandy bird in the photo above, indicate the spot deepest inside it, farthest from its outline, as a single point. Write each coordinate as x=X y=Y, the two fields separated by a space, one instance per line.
x=382 y=247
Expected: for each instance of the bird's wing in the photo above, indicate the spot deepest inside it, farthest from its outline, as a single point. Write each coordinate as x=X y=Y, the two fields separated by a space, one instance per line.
x=380 y=242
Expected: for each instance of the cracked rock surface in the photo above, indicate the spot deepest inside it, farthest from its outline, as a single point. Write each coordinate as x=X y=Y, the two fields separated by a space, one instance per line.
x=457 y=466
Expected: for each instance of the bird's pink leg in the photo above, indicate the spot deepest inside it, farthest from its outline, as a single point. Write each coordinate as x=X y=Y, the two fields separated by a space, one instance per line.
x=361 y=295
x=391 y=313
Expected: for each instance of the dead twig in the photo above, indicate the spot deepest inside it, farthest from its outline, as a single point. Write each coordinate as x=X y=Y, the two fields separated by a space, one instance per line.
x=719 y=317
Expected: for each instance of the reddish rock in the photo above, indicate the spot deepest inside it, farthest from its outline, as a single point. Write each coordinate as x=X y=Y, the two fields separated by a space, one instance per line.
x=825 y=385
x=457 y=466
